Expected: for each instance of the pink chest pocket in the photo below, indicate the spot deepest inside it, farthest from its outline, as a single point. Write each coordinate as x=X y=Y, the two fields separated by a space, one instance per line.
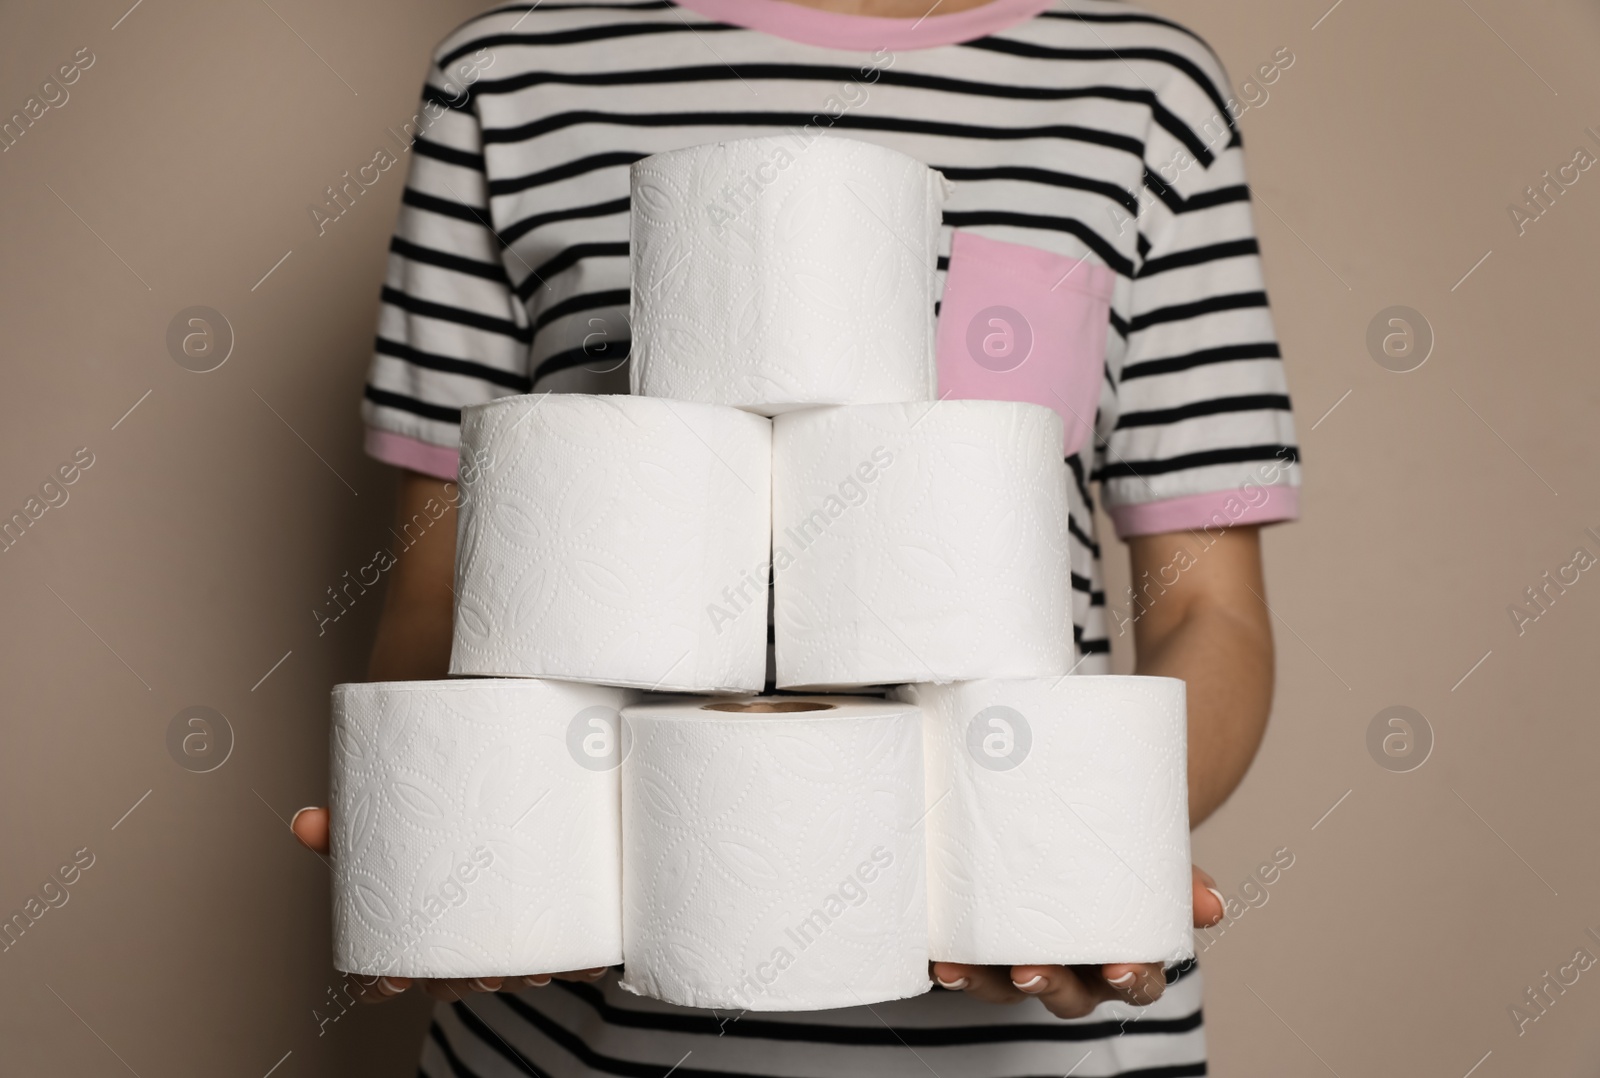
x=1022 y=324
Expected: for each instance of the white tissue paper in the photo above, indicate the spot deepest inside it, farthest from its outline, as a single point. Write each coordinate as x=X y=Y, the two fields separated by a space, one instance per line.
x=614 y=539
x=1058 y=827
x=775 y=273
x=475 y=827
x=919 y=542
x=773 y=853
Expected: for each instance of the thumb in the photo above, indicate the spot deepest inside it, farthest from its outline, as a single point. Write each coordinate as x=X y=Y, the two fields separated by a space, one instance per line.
x=310 y=826
x=1209 y=907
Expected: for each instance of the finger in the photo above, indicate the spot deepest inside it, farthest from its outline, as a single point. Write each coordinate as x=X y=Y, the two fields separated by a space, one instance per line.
x=951 y=976
x=455 y=988
x=1138 y=983
x=517 y=984
x=384 y=989
x=992 y=984
x=1209 y=906
x=582 y=974
x=310 y=826
x=1065 y=991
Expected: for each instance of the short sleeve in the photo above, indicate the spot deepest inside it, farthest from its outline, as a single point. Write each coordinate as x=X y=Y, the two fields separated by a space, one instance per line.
x=451 y=330
x=1198 y=432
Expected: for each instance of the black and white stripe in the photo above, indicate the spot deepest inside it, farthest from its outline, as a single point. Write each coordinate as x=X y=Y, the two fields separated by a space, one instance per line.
x=509 y=272
x=581 y=1031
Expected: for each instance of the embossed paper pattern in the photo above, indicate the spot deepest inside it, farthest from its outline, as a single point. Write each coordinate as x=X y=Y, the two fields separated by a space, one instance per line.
x=919 y=542
x=475 y=828
x=598 y=535
x=773 y=273
x=774 y=862
x=1058 y=830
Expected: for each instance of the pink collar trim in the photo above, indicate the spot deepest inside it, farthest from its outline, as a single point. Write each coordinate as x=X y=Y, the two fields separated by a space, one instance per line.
x=867 y=33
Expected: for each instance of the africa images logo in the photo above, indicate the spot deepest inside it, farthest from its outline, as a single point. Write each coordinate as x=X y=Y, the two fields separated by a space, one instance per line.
x=999 y=339
x=999 y=738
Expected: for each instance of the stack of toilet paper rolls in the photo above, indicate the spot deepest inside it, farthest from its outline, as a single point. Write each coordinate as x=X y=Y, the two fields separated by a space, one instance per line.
x=543 y=811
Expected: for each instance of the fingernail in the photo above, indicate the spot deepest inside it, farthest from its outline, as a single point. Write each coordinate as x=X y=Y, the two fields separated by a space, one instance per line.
x=390 y=988
x=483 y=986
x=1222 y=903
x=955 y=986
x=595 y=975
x=1123 y=981
x=301 y=812
x=1031 y=985
x=538 y=982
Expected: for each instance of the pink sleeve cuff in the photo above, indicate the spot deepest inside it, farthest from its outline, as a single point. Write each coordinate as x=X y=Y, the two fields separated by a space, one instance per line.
x=1217 y=509
x=435 y=460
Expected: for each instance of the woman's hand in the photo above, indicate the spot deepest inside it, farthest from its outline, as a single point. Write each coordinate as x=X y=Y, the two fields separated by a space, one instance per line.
x=1074 y=991
x=310 y=826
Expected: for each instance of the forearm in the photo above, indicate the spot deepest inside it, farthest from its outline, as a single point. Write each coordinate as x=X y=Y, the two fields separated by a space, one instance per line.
x=1212 y=631
x=413 y=640
x=1227 y=664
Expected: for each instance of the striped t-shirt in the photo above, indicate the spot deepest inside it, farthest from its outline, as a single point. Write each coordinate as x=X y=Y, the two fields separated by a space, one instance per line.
x=1083 y=128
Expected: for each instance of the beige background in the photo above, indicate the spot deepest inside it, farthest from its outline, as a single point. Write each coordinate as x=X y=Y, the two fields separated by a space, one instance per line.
x=188 y=559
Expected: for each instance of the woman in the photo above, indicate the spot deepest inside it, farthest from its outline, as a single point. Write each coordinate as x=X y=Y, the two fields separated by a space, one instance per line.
x=1094 y=135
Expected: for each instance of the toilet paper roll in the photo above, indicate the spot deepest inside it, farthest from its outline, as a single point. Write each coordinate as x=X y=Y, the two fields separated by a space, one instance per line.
x=776 y=273
x=610 y=538
x=1058 y=827
x=919 y=542
x=773 y=853
x=475 y=827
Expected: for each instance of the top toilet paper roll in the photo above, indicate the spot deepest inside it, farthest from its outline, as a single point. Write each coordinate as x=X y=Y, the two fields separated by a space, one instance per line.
x=1058 y=821
x=475 y=827
x=600 y=537
x=775 y=273
x=919 y=542
x=773 y=853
